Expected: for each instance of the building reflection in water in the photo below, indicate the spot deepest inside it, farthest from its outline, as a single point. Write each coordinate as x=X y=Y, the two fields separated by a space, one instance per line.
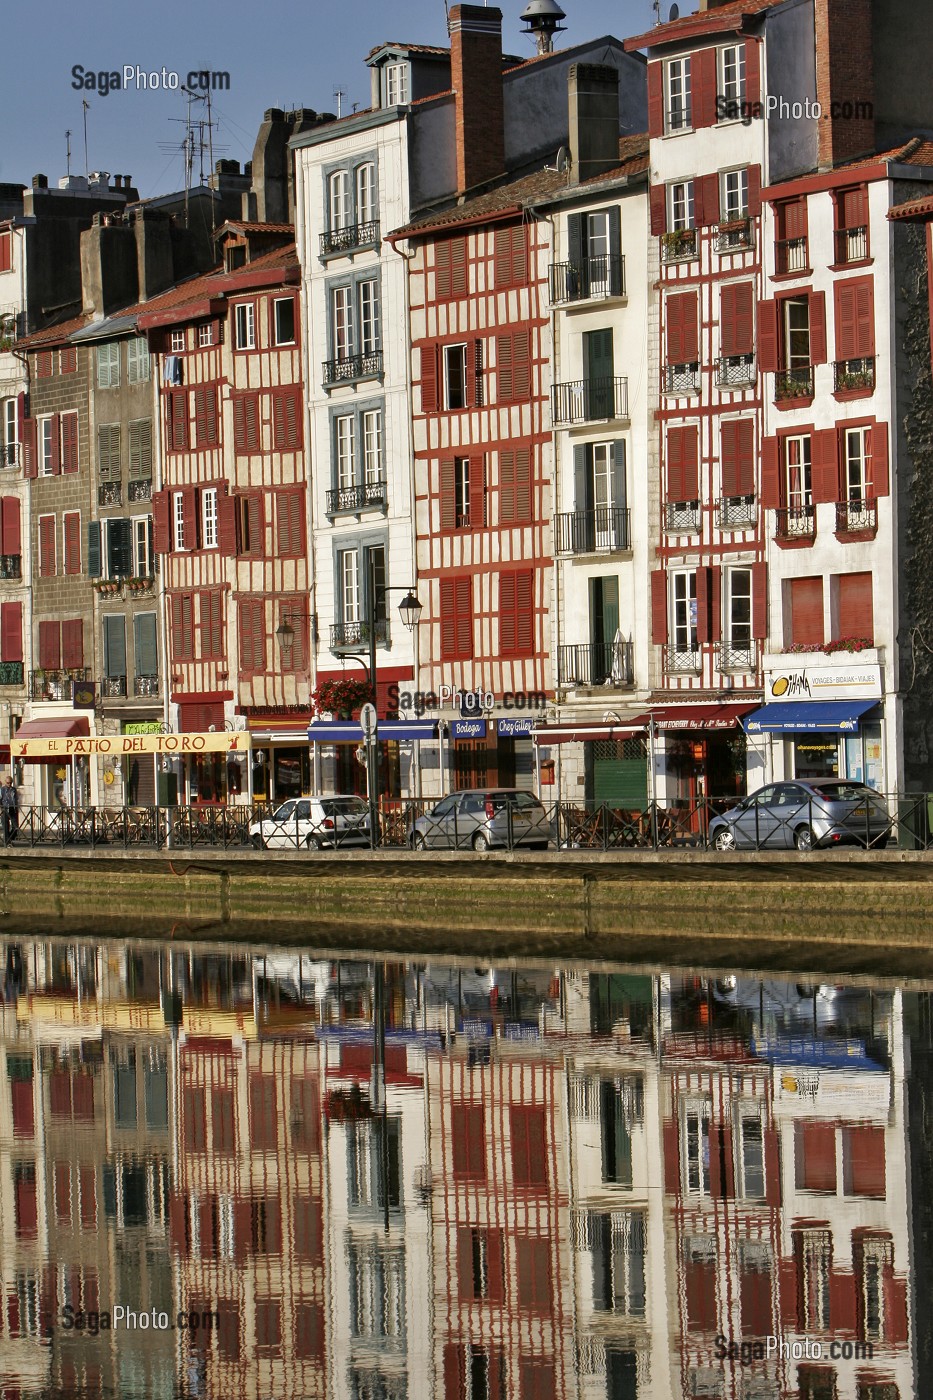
x=413 y=1180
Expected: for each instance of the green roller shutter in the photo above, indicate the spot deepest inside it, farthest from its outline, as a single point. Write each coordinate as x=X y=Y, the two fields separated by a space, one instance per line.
x=620 y=775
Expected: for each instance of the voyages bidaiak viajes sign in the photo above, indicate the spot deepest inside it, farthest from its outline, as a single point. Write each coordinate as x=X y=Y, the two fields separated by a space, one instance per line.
x=123 y=745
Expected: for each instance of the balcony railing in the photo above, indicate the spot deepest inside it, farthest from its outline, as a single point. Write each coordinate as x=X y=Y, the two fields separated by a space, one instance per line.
x=354 y=636
x=679 y=243
x=596 y=663
x=345 y=240
x=682 y=517
x=735 y=370
x=11 y=566
x=682 y=379
x=603 y=530
x=356 y=498
x=850 y=375
x=852 y=244
x=856 y=515
x=110 y=493
x=679 y=660
x=352 y=367
x=791 y=255
x=589 y=279
x=9 y=454
x=793 y=384
x=734 y=236
x=113 y=687
x=590 y=400
x=738 y=656
x=146 y=685
x=139 y=490
x=736 y=512
x=11 y=672
x=55 y=685
x=795 y=523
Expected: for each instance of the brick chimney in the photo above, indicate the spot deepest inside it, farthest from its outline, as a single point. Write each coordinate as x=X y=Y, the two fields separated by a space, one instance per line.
x=593 y=94
x=476 y=77
x=844 y=74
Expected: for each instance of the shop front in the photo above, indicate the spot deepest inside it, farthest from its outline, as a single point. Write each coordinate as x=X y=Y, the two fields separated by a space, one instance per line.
x=491 y=752
x=58 y=779
x=339 y=754
x=700 y=753
x=280 y=762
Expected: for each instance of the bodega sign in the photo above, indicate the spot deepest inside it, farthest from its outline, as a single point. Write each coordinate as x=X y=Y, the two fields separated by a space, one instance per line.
x=125 y=745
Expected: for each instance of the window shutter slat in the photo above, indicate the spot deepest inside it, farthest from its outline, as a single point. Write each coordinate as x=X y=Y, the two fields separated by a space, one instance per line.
x=30 y=451
x=448 y=499
x=464 y=613
x=846 y=329
x=752 y=73
x=458 y=267
x=806 y=606
x=659 y=607
x=56 y=445
x=759 y=600
x=11 y=631
x=429 y=379
x=768 y=336
x=50 y=646
x=855 y=606
x=706 y=208
x=703 y=75
x=754 y=180
x=521 y=366
x=442 y=280
x=73 y=644
x=770 y=474
x=824 y=471
x=817 y=302
x=161 y=509
x=69 y=442
x=655 y=105
x=504 y=380
x=728 y=454
x=703 y=602
x=10 y=526
x=477 y=493
x=226 y=523
x=879 y=469
x=507 y=615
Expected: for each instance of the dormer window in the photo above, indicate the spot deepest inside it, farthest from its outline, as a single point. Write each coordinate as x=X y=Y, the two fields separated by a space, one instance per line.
x=235 y=257
x=396 y=84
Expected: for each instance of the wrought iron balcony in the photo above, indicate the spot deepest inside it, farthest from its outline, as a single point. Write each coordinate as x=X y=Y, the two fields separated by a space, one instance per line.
x=734 y=236
x=678 y=243
x=681 y=660
x=852 y=244
x=351 y=499
x=793 y=384
x=351 y=367
x=354 y=636
x=590 y=400
x=738 y=656
x=852 y=375
x=11 y=566
x=346 y=240
x=55 y=685
x=146 y=685
x=854 y=516
x=11 y=672
x=682 y=379
x=9 y=454
x=597 y=664
x=113 y=687
x=735 y=370
x=139 y=490
x=602 y=530
x=589 y=279
x=110 y=493
x=795 y=523
x=682 y=517
x=791 y=255
x=736 y=512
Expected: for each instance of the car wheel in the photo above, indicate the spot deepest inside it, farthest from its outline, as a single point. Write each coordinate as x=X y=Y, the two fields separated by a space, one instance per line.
x=418 y=843
x=480 y=842
x=313 y=843
x=258 y=843
x=878 y=845
x=803 y=838
x=724 y=840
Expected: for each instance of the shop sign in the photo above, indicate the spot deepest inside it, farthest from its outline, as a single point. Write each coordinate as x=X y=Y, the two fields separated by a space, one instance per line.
x=121 y=745
x=824 y=683
x=468 y=729
x=805 y=1091
x=64 y=1011
x=514 y=728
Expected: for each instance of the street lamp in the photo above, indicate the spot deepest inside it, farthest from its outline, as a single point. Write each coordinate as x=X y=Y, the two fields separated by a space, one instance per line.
x=285 y=636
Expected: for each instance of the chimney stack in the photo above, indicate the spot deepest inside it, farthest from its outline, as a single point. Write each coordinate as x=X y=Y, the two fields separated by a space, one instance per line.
x=845 y=76
x=476 y=77
x=593 y=92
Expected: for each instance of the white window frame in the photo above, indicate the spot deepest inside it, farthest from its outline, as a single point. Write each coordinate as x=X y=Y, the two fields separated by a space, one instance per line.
x=345 y=440
x=339 y=201
x=44 y=434
x=696 y=1173
x=684 y=609
x=396 y=84
x=453 y=354
x=366 y=193
x=681 y=207
x=733 y=194
x=142 y=555
x=137 y=360
x=677 y=86
x=736 y=627
x=350 y=586
x=800 y=445
x=178 y=520
x=205 y=334
x=857 y=464
x=372 y=446
x=342 y=322
x=794 y=361
x=462 y=493
x=108 y=365
x=244 y=315
x=9 y=433
x=732 y=73
x=751 y=1114
x=368 y=295
x=209 y=536
x=177 y=342
x=282 y=301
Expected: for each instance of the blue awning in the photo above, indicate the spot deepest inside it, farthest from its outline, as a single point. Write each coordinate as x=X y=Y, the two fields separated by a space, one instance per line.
x=337 y=731
x=808 y=716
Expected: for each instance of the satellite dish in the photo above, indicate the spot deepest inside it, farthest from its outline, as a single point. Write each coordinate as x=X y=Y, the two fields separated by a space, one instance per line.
x=675 y=12
x=563 y=160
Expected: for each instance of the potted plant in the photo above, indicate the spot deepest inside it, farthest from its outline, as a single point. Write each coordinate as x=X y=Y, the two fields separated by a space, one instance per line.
x=342 y=697
x=677 y=242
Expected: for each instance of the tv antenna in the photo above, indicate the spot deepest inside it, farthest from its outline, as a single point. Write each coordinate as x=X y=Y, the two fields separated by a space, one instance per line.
x=67 y=152
x=198 y=140
x=339 y=95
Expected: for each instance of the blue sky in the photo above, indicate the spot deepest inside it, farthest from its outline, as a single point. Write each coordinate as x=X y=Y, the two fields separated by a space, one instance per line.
x=277 y=56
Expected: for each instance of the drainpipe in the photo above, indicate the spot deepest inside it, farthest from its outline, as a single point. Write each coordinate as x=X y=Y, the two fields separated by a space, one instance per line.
x=304 y=300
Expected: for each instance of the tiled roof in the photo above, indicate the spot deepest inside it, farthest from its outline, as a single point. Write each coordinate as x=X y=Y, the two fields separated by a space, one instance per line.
x=51 y=335
x=913 y=208
x=916 y=151
x=433 y=49
x=722 y=18
x=246 y=227
x=206 y=284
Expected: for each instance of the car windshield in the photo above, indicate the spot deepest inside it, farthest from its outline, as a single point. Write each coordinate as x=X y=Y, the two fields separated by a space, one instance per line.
x=343 y=807
x=283 y=813
x=844 y=792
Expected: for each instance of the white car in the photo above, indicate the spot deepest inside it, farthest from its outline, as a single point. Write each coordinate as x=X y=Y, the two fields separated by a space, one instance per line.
x=314 y=824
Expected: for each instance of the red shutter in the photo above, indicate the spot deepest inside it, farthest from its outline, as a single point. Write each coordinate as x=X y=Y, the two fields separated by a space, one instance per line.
x=806 y=609
x=507 y=615
x=161 y=509
x=703 y=602
x=715 y=605
x=69 y=442
x=11 y=631
x=72 y=532
x=506 y=488
x=768 y=344
x=706 y=200
x=524 y=607
x=448 y=494
x=682 y=332
x=286 y=420
x=690 y=462
x=754 y=187
x=879 y=471
x=655 y=105
x=855 y=607
x=246 y=422
x=703 y=88
x=226 y=521
x=429 y=379
x=11 y=538
x=752 y=72
x=458 y=267
x=854 y=207
x=864 y=315
x=659 y=606
x=691 y=332
x=192 y=525
x=442 y=270
x=56 y=445
x=793 y=215
x=658 y=199
x=771 y=473
x=464 y=615
x=729 y=455
x=178 y=419
x=521 y=366
x=817 y=302
x=504 y=378
x=50 y=646
x=523 y=486
x=737 y=318
x=245 y=635
x=846 y=329
x=772 y=1155
x=824 y=471
x=73 y=644
x=759 y=601
x=47 y=560
x=477 y=493
x=30 y=449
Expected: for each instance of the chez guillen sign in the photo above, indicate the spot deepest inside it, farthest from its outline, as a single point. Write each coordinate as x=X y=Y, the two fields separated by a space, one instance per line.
x=121 y=745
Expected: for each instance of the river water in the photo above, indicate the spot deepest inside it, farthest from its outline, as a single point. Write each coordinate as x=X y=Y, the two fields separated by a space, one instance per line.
x=255 y=1172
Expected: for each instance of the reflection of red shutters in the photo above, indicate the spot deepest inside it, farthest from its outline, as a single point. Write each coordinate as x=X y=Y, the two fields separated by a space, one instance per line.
x=815 y=1143
x=534 y=1273
x=87 y=1182
x=843 y=1309
x=26 y=1203
x=855 y=611
x=757 y=1320
x=700 y=1283
x=262 y=1111
x=469 y=1140
x=23 y=1106
x=309 y=1332
x=537 y=1379
x=529 y=1146
x=454 y=1372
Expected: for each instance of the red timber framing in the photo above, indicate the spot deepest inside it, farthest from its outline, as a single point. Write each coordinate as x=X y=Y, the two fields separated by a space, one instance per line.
x=230 y=520
x=480 y=434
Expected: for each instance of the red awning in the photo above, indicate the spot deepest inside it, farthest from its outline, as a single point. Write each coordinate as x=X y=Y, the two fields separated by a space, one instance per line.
x=53 y=728
x=583 y=733
x=689 y=717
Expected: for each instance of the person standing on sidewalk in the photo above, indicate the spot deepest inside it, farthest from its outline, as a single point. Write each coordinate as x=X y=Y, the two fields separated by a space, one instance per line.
x=9 y=803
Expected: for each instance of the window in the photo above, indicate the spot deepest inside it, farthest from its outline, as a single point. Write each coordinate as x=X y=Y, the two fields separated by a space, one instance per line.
x=366 y=193
x=245 y=326
x=284 y=320
x=108 y=365
x=140 y=434
x=6 y=250
x=684 y=615
x=739 y=609
x=210 y=616
x=119 y=547
x=751 y=1130
x=71 y=539
x=814 y=1255
x=9 y=432
x=372 y=446
x=679 y=115
x=339 y=201
x=396 y=79
x=734 y=194
x=250 y=526
x=854 y=606
x=455 y=376
x=756 y=1265
x=178 y=520
x=206 y=417
x=209 y=518
x=47 y=560
x=510 y=256
x=47 y=446
x=177 y=342
x=732 y=73
x=345 y=439
x=806 y=612
x=856 y=444
x=798 y=480
x=462 y=493
x=349 y=572
x=468 y=1139
x=343 y=322
x=115 y=666
x=515 y=495
x=479 y=1260
x=205 y=335
x=533 y=1258
x=618 y=1252
x=69 y=442
x=137 y=360
x=516 y=613
x=874 y=1264
x=696 y=1117
x=528 y=1136
x=456 y=619
x=369 y=317
x=796 y=333
x=289 y=522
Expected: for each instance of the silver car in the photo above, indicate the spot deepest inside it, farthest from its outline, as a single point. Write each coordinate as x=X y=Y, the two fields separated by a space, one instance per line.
x=483 y=818
x=314 y=823
x=823 y=812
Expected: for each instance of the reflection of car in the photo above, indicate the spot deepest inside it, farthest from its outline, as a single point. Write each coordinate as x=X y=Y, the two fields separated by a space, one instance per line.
x=483 y=818
x=803 y=815
x=314 y=822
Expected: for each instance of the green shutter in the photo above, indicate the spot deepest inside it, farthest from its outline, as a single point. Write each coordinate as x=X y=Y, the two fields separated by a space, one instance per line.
x=147 y=648
x=93 y=549
x=114 y=644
